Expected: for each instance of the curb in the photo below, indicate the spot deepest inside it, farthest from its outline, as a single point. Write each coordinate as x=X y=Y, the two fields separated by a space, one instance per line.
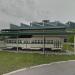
x=36 y=67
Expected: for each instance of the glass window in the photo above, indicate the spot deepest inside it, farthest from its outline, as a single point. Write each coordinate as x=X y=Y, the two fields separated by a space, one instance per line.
x=35 y=42
x=10 y=41
x=19 y=42
x=51 y=41
x=48 y=41
x=38 y=41
x=28 y=42
x=14 y=41
x=57 y=43
x=45 y=41
x=25 y=42
x=7 y=41
x=41 y=41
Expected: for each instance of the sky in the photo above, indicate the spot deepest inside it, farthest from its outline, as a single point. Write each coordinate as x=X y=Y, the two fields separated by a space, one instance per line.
x=17 y=11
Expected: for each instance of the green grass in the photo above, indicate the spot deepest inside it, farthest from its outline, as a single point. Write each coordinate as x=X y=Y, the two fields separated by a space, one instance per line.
x=68 y=47
x=13 y=61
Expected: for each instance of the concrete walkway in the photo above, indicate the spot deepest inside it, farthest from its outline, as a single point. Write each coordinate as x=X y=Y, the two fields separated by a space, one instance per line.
x=58 y=68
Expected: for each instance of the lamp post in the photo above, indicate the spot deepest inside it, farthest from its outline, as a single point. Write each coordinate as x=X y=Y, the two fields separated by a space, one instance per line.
x=43 y=41
x=17 y=43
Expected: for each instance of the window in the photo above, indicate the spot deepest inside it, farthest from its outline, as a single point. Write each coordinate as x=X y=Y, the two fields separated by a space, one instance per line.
x=65 y=40
x=7 y=41
x=26 y=42
x=10 y=41
x=33 y=42
x=51 y=41
x=14 y=41
x=38 y=41
x=48 y=41
x=57 y=43
x=60 y=43
x=19 y=42
x=41 y=41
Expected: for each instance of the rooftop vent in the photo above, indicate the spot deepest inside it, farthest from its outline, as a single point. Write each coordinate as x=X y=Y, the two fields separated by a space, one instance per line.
x=46 y=21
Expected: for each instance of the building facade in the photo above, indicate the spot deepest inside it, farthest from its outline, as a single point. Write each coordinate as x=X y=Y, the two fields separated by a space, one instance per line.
x=37 y=35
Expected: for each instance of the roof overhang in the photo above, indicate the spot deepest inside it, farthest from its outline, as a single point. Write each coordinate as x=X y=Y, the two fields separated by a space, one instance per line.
x=36 y=33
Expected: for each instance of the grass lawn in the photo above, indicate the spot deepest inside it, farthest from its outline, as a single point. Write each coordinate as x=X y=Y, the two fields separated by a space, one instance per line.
x=68 y=47
x=10 y=61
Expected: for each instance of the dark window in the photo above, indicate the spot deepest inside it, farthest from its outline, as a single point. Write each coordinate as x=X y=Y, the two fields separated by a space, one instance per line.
x=25 y=36
x=65 y=40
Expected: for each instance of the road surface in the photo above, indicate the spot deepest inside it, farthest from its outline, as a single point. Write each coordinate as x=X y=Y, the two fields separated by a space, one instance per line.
x=63 y=68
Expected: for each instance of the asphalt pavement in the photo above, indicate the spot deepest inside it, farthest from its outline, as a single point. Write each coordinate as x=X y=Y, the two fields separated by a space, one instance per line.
x=63 y=68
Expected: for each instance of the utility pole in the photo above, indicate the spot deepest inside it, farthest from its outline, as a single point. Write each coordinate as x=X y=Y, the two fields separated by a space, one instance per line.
x=17 y=43
x=43 y=40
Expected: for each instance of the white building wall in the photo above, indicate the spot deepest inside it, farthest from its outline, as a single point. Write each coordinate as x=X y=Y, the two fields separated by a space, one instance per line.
x=23 y=45
x=2 y=44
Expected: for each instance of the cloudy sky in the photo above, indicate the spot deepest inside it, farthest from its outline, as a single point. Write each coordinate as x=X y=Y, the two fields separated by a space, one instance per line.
x=16 y=11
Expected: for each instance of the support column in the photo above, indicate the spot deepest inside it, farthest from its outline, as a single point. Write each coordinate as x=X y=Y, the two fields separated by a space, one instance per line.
x=43 y=44
x=4 y=43
x=43 y=41
x=26 y=44
x=17 y=43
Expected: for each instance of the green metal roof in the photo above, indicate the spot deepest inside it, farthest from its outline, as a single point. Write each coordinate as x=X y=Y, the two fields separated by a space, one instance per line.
x=54 y=28
x=38 y=25
x=51 y=28
x=24 y=26
x=13 y=26
x=35 y=33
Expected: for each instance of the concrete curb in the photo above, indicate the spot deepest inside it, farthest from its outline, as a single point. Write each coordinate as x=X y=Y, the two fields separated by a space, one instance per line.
x=36 y=67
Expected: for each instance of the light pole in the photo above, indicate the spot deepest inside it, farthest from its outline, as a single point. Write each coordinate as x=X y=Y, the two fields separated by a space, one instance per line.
x=43 y=40
x=17 y=42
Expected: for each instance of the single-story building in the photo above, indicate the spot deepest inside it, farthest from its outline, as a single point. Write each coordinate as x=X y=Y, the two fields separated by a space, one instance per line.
x=37 y=35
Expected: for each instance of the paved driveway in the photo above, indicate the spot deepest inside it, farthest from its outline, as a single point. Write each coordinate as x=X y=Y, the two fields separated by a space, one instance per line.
x=63 y=68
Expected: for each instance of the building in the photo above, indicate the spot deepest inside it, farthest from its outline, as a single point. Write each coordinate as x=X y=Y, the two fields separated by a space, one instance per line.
x=70 y=25
x=37 y=35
